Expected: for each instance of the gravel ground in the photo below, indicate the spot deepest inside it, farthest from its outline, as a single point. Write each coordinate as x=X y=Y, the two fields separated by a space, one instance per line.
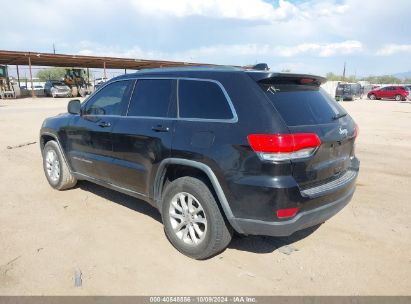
x=118 y=246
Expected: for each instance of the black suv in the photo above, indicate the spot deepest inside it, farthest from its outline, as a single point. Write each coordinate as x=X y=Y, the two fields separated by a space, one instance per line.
x=348 y=91
x=215 y=149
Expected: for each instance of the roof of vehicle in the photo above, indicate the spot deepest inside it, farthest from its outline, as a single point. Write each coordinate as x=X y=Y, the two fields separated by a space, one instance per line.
x=257 y=75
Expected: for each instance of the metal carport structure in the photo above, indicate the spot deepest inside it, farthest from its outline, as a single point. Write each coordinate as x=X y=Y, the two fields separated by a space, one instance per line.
x=64 y=60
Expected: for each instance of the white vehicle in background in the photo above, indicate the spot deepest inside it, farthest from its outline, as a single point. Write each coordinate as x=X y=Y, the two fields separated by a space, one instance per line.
x=98 y=82
x=56 y=88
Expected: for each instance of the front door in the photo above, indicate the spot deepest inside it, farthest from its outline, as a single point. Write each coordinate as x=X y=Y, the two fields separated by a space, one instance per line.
x=89 y=142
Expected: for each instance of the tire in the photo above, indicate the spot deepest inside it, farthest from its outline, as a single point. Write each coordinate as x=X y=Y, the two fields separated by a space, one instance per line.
x=372 y=97
x=216 y=233
x=55 y=168
x=398 y=97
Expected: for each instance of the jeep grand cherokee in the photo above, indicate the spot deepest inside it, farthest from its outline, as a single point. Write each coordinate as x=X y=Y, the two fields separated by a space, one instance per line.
x=215 y=149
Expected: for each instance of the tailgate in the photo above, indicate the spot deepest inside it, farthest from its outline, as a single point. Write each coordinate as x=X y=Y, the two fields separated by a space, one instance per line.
x=306 y=108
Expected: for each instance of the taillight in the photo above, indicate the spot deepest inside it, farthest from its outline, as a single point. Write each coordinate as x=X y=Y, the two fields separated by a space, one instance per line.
x=280 y=147
x=286 y=213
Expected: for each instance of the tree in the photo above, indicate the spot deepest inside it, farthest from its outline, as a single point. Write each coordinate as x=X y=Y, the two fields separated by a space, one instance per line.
x=333 y=77
x=51 y=74
x=385 y=79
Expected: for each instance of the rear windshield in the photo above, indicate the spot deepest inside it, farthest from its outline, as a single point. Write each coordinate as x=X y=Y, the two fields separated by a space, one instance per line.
x=302 y=104
x=346 y=88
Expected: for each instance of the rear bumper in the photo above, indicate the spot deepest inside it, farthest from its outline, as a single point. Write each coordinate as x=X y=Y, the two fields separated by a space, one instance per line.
x=302 y=220
x=344 y=97
x=64 y=94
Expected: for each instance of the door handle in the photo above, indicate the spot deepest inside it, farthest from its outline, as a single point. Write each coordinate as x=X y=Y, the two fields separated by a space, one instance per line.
x=160 y=128
x=104 y=124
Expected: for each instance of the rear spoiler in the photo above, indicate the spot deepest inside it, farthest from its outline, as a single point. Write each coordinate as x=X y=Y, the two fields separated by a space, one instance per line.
x=286 y=78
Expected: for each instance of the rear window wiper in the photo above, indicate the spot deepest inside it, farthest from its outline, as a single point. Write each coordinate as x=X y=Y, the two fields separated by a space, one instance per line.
x=339 y=115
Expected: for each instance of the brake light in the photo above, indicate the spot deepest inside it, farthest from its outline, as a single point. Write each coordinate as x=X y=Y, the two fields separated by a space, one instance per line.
x=286 y=213
x=280 y=147
x=306 y=80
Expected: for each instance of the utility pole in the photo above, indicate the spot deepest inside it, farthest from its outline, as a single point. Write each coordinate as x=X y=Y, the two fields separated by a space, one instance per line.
x=54 y=49
x=344 y=72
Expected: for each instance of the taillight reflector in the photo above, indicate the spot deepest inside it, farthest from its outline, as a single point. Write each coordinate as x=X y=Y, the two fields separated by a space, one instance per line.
x=356 y=131
x=286 y=213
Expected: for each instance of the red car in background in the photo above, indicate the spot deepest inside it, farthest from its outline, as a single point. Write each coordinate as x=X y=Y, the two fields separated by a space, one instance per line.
x=390 y=92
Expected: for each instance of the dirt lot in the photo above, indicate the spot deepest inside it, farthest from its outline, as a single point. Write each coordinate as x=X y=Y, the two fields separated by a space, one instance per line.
x=118 y=244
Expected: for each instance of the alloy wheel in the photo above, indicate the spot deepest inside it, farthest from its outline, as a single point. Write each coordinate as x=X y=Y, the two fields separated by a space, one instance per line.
x=53 y=166
x=188 y=218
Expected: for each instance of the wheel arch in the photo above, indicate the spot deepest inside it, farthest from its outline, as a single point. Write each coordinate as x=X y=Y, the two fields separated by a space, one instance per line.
x=191 y=167
x=45 y=137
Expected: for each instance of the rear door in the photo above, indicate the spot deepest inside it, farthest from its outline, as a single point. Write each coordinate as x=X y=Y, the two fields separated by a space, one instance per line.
x=339 y=91
x=89 y=141
x=308 y=109
x=142 y=138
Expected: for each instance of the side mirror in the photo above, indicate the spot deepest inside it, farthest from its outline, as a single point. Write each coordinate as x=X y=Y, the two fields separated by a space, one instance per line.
x=74 y=106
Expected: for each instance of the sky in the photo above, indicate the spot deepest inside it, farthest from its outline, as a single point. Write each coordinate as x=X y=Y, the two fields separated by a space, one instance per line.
x=310 y=36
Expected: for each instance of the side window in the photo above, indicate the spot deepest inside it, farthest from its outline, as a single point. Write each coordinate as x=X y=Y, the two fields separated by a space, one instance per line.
x=109 y=100
x=153 y=98
x=202 y=99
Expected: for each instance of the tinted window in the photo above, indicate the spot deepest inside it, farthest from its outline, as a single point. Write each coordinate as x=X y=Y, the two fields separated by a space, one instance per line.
x=202 y=99
x=109 y=100
x=302 y=105
x=346 y=88
x=153 y=97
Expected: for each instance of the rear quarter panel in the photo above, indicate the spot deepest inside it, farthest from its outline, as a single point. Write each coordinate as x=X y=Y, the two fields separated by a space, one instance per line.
x=228 y=154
